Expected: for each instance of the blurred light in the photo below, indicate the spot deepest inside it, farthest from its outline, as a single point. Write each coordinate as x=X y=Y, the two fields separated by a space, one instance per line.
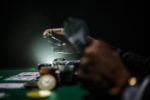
x=42 y=51
x=132 y=81
x=44 y=93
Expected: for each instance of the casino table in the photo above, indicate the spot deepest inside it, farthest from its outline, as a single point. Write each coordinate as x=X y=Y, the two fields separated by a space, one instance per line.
x=72 y=92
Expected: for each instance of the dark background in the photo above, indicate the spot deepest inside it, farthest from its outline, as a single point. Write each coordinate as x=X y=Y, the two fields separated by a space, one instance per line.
x=120 y=23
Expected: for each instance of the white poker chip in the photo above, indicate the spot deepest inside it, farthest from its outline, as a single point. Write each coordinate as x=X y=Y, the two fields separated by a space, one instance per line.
x=47 y=82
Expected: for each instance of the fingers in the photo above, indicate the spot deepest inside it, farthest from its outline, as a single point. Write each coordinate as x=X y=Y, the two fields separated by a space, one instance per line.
x=58 y=31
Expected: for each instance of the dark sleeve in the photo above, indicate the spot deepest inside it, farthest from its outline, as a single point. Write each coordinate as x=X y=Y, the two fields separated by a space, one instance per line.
x=146 y=95
x=139 y=92
x=138 y=65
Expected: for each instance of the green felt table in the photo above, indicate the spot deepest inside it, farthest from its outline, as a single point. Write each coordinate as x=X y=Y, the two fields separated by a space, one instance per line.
x=73 y=92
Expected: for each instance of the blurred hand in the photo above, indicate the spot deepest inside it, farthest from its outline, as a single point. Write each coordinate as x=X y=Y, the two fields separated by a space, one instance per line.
x=58 y=31
x=102 y=65
x=59 y=40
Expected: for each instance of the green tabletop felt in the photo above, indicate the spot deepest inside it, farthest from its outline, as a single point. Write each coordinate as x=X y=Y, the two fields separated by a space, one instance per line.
x=74 y=92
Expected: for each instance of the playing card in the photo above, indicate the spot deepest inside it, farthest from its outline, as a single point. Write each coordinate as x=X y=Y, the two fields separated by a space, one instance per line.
x=11 y=85
x=24 y=76
x=76 y=31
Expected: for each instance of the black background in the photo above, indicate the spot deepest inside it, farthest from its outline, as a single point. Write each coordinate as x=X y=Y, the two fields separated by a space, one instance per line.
x=120 y=23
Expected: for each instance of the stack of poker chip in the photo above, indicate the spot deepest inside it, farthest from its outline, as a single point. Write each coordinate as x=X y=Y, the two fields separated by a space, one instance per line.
x=60 y=72
x=66 y=70
x=63 y=64
x=47 y=80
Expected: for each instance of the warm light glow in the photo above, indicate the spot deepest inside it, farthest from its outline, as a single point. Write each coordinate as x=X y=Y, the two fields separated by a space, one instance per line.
x=132 y=81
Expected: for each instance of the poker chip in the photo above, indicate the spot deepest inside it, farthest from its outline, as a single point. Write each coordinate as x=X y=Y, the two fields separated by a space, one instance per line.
x=47 y=82
x=38 y=94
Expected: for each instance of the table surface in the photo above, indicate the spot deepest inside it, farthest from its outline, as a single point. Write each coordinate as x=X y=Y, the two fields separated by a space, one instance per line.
x=74 y=92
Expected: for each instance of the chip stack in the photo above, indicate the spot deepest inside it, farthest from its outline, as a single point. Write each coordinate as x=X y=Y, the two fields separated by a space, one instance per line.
x=48 y=79
x=60 y=72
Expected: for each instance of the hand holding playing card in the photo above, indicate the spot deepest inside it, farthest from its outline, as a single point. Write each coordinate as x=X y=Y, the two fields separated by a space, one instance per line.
x=75 y=32
x=58 y=40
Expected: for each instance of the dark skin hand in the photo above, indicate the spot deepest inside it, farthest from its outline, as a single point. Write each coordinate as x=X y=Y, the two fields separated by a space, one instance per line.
x=103 y=66
x=100 y=64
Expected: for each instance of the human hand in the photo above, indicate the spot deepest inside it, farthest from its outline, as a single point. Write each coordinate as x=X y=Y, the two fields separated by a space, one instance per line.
x=58 y=31
x=103 y=66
